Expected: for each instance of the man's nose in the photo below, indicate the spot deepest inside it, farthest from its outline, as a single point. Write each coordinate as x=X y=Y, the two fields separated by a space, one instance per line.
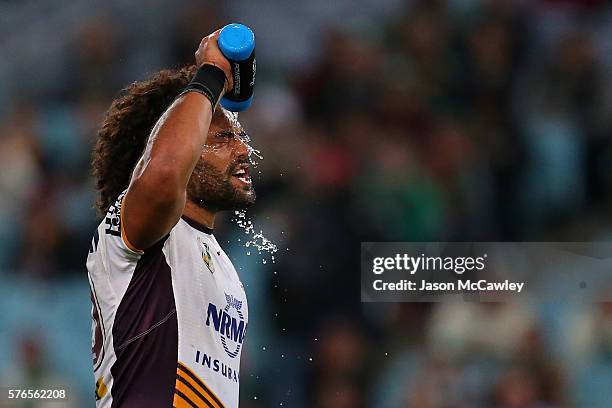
x=241 y=149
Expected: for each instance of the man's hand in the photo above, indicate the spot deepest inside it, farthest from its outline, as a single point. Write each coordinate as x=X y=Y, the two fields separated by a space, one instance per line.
x=209 y=53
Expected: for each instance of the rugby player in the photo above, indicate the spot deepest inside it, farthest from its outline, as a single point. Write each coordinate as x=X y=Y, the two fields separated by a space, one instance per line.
x=169 y=310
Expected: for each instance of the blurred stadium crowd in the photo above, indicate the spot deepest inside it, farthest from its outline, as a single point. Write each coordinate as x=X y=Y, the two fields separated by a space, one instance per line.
x=479 y=120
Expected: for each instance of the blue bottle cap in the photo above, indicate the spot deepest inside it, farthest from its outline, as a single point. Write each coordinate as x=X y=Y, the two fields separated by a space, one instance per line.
x=236 y=106
x=236 y=41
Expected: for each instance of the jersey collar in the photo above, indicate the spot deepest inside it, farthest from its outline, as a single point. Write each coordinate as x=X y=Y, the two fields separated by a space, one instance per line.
x=194 y=224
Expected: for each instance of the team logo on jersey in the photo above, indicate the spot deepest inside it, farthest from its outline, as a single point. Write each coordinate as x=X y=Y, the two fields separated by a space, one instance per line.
x=229 y=323
x=206 y=257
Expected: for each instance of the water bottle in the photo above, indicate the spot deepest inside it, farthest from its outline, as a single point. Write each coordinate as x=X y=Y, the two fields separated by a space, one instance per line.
x=237 y=43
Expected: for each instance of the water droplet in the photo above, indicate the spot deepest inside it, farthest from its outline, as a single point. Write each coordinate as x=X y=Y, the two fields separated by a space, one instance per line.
x=256 y=239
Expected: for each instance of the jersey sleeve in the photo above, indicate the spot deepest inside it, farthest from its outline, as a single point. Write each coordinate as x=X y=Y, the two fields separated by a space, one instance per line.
x=114 y=228
x=111 y=260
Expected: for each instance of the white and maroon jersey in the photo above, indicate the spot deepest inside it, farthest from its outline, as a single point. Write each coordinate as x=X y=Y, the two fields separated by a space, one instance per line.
x=168 y=322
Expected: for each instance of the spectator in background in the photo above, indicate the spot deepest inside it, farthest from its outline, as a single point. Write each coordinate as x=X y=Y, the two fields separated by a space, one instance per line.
x=557 y=104
x=19 y=153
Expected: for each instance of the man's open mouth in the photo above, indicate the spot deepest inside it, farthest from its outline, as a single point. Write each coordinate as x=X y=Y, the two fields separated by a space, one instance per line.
x=242 y=174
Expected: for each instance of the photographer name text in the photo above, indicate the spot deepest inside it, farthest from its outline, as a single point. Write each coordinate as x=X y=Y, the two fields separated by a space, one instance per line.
x=459 y=285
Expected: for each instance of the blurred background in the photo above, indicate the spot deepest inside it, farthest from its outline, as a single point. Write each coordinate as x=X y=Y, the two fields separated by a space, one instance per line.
x=378 y=120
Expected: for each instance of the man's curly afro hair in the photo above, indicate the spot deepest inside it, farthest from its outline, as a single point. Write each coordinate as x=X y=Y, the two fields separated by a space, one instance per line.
x=125 y=130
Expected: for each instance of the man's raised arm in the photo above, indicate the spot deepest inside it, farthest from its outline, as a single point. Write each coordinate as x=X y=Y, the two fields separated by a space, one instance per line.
x=156 y=195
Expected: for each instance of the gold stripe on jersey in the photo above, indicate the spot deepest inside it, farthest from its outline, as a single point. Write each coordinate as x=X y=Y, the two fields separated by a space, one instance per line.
x=180 y=401
x=188 y=380
x=124 y=237
x=190 y=393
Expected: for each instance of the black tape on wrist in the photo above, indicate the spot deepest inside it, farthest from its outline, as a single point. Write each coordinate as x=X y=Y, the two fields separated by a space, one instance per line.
x=209 y=80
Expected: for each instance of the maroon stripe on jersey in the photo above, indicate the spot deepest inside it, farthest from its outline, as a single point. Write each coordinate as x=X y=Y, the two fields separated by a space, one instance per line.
x=145 y=336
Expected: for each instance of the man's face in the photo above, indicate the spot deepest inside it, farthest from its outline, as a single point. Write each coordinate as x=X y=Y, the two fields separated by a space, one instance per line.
x=221 y=178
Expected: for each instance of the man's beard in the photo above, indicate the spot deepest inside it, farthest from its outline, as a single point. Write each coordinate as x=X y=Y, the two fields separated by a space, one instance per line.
x=211 y=189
